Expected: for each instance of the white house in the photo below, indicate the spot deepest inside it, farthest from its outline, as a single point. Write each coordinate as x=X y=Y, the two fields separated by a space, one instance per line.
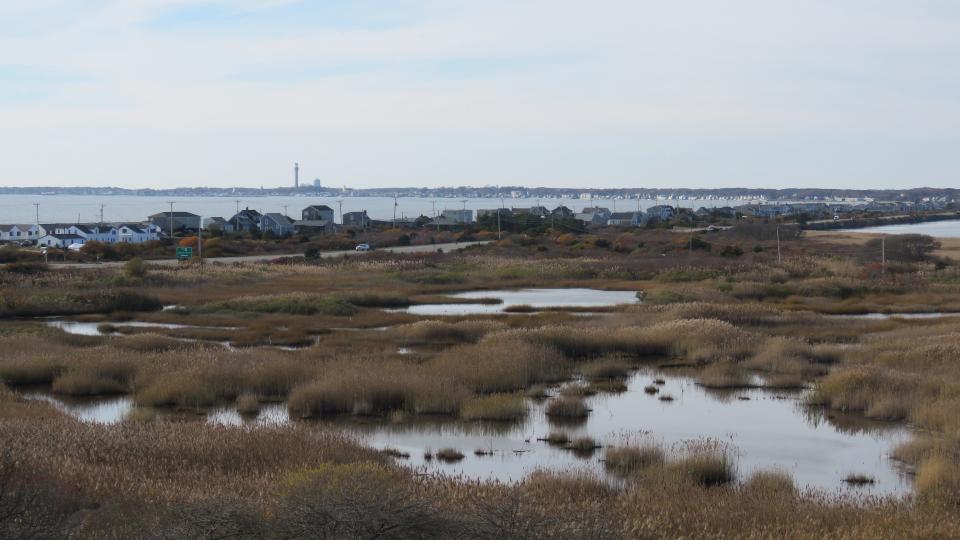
x=61 y=240
x=12 y=233
x=130 y=233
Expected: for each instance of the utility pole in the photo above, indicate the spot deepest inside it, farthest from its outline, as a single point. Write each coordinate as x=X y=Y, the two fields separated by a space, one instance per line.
x=101 y=213
x=340 y=203
x=200 y=243
x=171 y=219
x=37 y=207
x=236 y=216
x=436 y=218
x=883 y=253
x=499 y=233
x=394 y=210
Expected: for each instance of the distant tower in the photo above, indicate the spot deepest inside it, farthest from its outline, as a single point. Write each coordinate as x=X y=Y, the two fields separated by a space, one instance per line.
x=296 y=175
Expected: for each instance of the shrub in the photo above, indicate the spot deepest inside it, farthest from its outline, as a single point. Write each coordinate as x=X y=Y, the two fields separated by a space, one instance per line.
x=135 y=268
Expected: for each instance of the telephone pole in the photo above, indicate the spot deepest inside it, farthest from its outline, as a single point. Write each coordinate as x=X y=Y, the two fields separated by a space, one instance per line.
x=171 y=219
x=883 y=253
x=340 y=204
x=394 y=210
x=101 y=213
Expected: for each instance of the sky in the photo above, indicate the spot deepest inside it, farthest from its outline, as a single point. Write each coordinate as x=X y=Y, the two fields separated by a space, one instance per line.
x=362 y=93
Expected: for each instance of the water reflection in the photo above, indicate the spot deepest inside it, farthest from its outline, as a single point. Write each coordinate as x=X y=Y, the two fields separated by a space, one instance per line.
x=534 y=298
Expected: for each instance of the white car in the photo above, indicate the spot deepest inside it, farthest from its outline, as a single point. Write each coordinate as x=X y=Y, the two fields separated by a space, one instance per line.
x=363 y=247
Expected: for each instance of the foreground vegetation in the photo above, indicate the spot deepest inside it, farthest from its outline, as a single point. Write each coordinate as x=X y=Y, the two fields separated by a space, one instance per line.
x=326 y=339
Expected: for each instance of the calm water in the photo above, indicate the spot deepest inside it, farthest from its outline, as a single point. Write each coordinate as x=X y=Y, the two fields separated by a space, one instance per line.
x=766 y=430
x=942 y=229
x=535 y=298
x=86 y=208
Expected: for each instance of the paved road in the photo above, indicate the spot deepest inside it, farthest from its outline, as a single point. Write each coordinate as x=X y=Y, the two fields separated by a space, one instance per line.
x=428 y=248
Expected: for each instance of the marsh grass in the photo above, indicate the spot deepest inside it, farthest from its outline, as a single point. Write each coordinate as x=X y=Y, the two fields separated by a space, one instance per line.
x=706 y=463
x=610 y=368
x=616 y=386
x=433 y=331
x=567 y=407
x=248 y=404
x=583 y=446
x=766 y=482
x=724 y=375
x=857 y=479
x=498 y=407
x=557 y=438
x=449 y=455
x=292 y=303
x=626 y=460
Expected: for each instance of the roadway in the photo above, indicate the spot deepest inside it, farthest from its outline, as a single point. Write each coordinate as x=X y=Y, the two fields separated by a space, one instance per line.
x=426 y=248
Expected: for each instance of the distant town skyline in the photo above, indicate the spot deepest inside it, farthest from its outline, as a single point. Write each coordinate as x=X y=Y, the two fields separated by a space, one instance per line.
x=560 y=93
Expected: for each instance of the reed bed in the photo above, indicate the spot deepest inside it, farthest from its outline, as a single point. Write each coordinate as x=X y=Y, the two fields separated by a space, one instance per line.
x=497 y=407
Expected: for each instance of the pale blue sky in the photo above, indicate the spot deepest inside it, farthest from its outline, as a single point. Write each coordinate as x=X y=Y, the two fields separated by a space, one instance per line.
x=632 y=93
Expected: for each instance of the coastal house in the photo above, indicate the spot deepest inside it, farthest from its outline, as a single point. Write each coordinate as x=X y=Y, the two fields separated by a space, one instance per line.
x=12 y=233
x=356 y=220
x=660 y=212
x=276 y=223
x=216 y=223
x=132 y=233
x=317 y=212
x=625 y=219
x=458 y=216
x=562 y=212
x=181 y=221
x=593 y=215
x=61 y=240
x=246 y=220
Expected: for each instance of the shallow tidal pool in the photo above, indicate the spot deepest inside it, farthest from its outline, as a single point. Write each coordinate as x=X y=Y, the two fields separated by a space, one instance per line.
x=533 y=298
x=761 y=428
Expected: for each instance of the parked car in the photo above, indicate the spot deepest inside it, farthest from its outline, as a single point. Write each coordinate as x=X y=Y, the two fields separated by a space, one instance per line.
x=363 y=247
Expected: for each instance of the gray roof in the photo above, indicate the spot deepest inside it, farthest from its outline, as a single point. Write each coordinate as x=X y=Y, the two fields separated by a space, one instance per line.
x=278 y=217
x=623 y=215
x=66 y=236
x=174 y=214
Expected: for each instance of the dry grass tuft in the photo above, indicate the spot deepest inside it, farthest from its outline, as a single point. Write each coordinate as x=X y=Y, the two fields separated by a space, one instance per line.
x=501 y=407
x=706 y=463
x=770 y=482
x=567 y=407
x=625 y=460
x=449 y=455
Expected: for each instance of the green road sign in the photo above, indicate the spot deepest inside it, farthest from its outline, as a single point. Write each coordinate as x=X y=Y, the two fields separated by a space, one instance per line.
x=184 y=253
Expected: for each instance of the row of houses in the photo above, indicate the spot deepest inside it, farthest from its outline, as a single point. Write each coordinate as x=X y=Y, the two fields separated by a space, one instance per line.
x=592 y=215
x=314 y=218
x=63 y=235
x=827 y=209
